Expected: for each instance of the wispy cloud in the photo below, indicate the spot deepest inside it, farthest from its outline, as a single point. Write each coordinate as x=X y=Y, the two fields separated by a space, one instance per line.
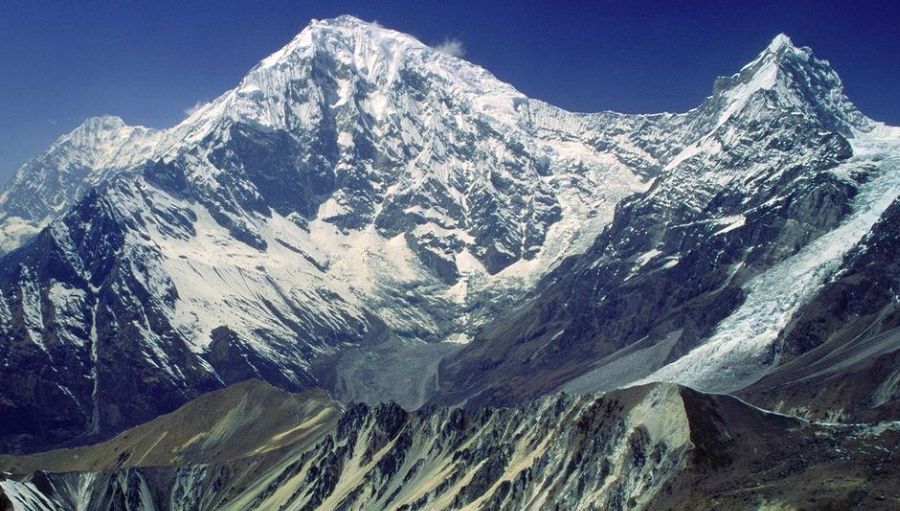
x=196 y=106
x=451 y=46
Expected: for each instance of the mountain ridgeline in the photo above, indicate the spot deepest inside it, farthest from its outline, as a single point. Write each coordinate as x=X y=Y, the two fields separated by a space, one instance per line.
x=365 y=214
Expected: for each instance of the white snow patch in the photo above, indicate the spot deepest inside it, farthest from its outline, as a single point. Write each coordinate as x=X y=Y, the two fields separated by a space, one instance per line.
x=731 y=223
x=68 y=304
x=670 y=262
x=737 y=97
x=459 y=338
x=646 y=257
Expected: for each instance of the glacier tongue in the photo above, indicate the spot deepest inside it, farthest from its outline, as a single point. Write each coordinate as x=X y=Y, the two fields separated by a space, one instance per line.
x=742 y=348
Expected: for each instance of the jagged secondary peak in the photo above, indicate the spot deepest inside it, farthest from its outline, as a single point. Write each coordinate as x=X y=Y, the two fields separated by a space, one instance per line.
x=793 y=79
x=99 y=124
x=100 y=137
x=48 y=183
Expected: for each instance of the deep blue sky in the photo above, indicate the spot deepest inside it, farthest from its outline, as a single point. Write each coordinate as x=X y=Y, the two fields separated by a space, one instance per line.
x=148 y=61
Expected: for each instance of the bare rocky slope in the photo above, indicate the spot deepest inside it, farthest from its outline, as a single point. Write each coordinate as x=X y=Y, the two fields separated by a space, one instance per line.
x=656 y=446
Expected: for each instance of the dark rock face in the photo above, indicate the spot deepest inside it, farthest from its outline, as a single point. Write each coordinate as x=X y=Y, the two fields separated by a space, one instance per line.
x=437 y=254
x=236 y=361
x=291 y=175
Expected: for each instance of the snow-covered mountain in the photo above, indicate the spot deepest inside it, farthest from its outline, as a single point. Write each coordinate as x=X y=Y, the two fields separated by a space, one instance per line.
x=694 y=279
x=360 y=207
x=357 y=188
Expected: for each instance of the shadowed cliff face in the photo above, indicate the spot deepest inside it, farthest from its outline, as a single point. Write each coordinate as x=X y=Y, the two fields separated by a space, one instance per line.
x=652 y=447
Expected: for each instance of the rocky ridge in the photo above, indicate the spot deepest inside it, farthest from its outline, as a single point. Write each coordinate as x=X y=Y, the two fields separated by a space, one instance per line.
x=658 y=446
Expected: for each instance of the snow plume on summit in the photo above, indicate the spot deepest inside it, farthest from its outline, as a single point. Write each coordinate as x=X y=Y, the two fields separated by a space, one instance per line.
x=451 y=46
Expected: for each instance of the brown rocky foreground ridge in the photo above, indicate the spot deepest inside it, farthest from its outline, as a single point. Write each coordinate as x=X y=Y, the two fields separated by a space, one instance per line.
x=658 y=446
